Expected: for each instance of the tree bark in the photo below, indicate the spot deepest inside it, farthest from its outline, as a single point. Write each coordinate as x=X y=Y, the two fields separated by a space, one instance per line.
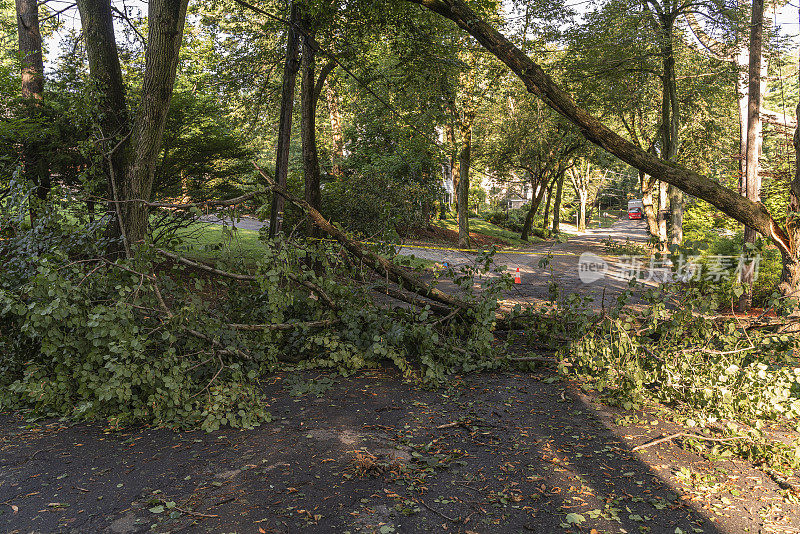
x=464 y=160
x=164 y=36
x=670 y=119
x=290 y=69
x=752 y=181
x=663 y=214
x=557 y=204
x=32 y=81
x=540 y=84
x=106 y=76
x=536 y=201
x=308 y=129
x=546 y=218
x=337 y=154
x=650 y=211
x=583 y=197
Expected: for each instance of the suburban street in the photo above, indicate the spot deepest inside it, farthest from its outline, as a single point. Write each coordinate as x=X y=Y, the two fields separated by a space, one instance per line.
x=562 y=268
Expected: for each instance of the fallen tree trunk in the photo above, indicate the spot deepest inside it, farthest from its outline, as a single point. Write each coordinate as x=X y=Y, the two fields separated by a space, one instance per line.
x=378 y=263
x=538 y=82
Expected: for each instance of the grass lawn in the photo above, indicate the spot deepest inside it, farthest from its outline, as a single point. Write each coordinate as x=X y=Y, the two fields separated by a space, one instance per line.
x=207 y=242
x=479 y=226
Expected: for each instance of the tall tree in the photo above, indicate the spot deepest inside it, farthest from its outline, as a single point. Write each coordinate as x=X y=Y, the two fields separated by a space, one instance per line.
x=752 y=182
x=310 y=89
x=32 y=74
x=133 y=160
x=290 y=69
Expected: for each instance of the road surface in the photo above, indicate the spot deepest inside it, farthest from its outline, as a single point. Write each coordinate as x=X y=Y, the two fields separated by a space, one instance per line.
x=537 y=272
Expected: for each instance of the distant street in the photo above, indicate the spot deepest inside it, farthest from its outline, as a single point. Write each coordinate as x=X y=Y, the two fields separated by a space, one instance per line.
x=562 y=268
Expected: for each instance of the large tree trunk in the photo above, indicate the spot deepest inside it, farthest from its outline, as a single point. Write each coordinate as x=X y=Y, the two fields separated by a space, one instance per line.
x=106 y=75
x=337 y=154
x=557 y=204
x=743 y=98
x=650 y=211
x=752 y=182
x=583 y=198
x=464 y=160
x=536 y=201
x=663 y=214
x=290 y=69
x=32 y=75
x=133 y=159
x=166 y=20
x=546 y=218
x=308 y=130
x=539 y=83
x=670 y=117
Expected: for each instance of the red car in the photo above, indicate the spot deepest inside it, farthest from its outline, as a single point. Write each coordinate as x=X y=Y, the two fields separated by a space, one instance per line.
x=634 y=213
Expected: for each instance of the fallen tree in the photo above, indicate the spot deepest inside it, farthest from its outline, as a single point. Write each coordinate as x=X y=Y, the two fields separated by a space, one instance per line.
x=537 y=81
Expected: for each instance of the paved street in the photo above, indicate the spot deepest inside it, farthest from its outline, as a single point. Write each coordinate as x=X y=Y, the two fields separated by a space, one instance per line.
x=536 y=277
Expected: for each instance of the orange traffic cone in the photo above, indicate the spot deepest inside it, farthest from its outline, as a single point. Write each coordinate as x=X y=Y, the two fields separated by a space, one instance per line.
x=517 y=279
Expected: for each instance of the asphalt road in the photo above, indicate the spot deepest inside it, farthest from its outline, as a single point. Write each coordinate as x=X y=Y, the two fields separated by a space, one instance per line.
x=537 y=272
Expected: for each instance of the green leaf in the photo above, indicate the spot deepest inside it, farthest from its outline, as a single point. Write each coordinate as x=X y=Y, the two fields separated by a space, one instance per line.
x=575 y=519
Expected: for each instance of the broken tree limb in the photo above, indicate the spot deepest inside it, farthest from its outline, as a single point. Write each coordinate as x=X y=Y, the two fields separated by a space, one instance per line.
x=250 y=278
x=414 y=299
x=683 y=435
x=378 y=263
x=282 y=326
x=221 y=349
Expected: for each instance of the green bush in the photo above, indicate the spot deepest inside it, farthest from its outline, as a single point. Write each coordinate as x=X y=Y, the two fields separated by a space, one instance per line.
x=377 y=206
x=513 y=219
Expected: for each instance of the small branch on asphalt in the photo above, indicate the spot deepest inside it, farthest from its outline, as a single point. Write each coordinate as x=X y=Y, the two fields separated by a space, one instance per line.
x=684 y=435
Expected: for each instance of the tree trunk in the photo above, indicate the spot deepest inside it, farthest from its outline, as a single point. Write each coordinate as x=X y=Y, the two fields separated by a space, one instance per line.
x=546 y=218
x=670 y=117
x=557 y=204
x=133 y=159
x=337 y=154
x=650 y=212
x=164 y=36
x=104 y=70
x=536 y=201
x=285 y=125
x=32 y=78
x=463 y=185
x=743 y=99
x=308 y=130
x=752 y=182
x=540 y=84
x=676 y=210
x=663 y=214
x=583 y=197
